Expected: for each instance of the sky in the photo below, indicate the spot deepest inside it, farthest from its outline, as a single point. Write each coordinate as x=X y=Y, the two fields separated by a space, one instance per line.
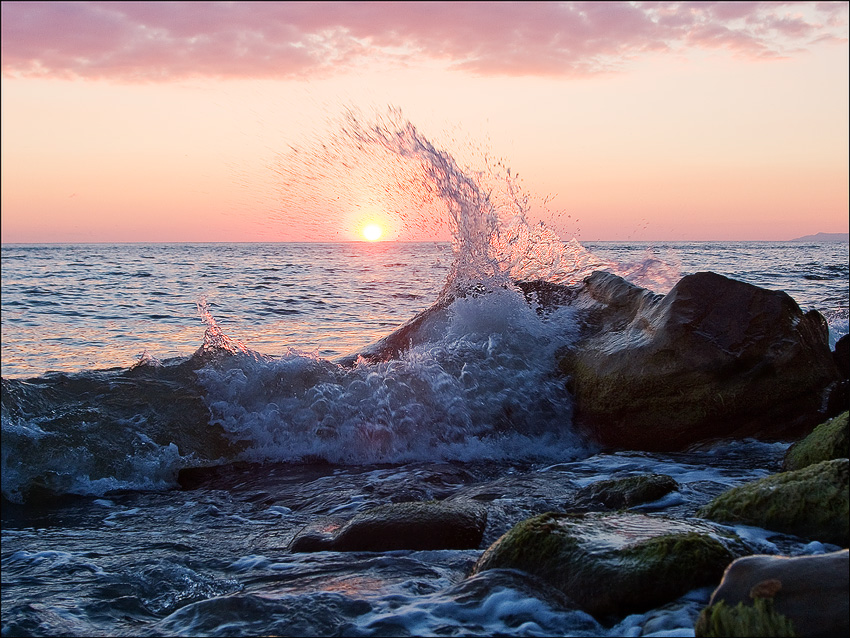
x=625 y=121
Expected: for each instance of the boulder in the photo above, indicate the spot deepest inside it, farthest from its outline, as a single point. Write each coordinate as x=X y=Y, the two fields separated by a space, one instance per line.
x=830 y=440
x=624 y=492
x=614 y=564
x=412 y=525
x=810 y=503
x=714 y=358
x=780 y=596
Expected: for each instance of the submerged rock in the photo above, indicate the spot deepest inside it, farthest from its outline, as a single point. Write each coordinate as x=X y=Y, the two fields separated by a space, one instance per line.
x=413 y=525
x=713 y=358
x=625 y=492
x=780 y=596
x=810 y=503
x=830 y=440
x=612 y=565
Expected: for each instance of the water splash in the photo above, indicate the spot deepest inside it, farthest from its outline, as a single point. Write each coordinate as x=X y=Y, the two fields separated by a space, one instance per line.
x=480 y=387
x=493 y=241
x=387 y=164
x=215 y=341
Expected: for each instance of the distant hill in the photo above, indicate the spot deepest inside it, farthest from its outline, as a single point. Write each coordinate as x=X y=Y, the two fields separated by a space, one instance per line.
x=824 y=237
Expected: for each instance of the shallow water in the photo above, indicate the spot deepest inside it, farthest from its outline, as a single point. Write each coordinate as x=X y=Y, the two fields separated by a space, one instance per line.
x=211 y=559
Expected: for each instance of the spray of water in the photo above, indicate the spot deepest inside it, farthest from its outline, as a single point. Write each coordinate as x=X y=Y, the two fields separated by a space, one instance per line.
x=386 y=163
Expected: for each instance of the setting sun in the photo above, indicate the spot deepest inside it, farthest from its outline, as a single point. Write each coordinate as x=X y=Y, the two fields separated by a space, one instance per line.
x=372 y=232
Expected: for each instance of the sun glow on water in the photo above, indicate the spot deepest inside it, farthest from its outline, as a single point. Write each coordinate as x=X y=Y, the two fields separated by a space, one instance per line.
x=372 y=232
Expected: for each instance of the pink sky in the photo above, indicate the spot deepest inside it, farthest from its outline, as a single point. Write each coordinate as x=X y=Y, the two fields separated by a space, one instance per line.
x=175 y=121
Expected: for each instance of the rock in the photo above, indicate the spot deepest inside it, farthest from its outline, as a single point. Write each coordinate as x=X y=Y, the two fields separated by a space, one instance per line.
x=839 y=400
x=842 y=355
x=431 y=321
x=614 y=564
x=714 y=358
x=830 y=440
x=780 y=596
x=810 y=503
x=413 y=525
x=625 y=492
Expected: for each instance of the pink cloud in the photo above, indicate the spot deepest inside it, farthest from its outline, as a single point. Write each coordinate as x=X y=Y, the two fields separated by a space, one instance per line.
x=168 y=40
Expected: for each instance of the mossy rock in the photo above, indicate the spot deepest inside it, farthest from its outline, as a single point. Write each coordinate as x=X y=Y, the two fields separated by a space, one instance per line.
x=614 y=564
x=829 y=440
x=413 y=525
x=758 y=619
x=625 y=492
x=810 y=503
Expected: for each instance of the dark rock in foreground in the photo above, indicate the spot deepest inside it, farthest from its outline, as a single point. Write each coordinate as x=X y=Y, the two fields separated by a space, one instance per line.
x=780 y=596
x=714 y=358
x=413 y=525
x=830 y=440
x=612 y=565
x=810 y=503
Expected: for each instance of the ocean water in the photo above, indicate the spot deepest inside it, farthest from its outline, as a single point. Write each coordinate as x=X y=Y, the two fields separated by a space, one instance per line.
x=173 y=415
x=101 y=410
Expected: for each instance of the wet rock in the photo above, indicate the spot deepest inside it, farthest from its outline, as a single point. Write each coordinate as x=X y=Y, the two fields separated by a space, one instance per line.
x=714 y=358
x=612 y=565
x=830 y=440
x=433 y=320
x=842 y=355
x=546 y=295
x=839 y=399
x=810 y=503
x=625 y=492
x=411 y=525
x=780 y=596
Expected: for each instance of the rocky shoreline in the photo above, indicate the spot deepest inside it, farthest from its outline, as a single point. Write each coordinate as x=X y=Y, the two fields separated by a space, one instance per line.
x=610 y=561
x=714 y=359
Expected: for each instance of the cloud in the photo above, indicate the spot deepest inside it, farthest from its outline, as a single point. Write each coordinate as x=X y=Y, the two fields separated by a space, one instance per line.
x=153 y=41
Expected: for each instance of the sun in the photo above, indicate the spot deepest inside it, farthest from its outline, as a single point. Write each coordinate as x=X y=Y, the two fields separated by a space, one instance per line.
x=372 y=232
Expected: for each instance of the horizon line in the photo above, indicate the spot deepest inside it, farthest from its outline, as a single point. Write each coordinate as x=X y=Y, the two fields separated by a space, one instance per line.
x=399 y=241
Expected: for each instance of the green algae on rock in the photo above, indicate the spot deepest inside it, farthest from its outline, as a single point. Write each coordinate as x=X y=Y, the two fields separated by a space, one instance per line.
x=827 y=441
x=758 y=619
x=810 y=503
x=613 y=564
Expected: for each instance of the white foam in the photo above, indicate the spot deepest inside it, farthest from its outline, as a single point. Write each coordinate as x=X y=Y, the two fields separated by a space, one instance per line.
x=483 y=387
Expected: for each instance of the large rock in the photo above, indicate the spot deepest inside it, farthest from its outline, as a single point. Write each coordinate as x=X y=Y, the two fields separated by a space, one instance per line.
x=830 y=440
x=811 y=503
x=714 y=358
x=778 y=595
x=412 y=525
x=614 y=564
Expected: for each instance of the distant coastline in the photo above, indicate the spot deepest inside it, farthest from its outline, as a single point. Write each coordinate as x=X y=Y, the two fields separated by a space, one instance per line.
x=824 y=237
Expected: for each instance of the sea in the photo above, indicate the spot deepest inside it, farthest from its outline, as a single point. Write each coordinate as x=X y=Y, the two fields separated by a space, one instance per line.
x=174 y=414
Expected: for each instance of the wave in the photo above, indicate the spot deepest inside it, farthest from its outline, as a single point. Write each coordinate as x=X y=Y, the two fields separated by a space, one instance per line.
x=478 y=384
x=473 y=377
